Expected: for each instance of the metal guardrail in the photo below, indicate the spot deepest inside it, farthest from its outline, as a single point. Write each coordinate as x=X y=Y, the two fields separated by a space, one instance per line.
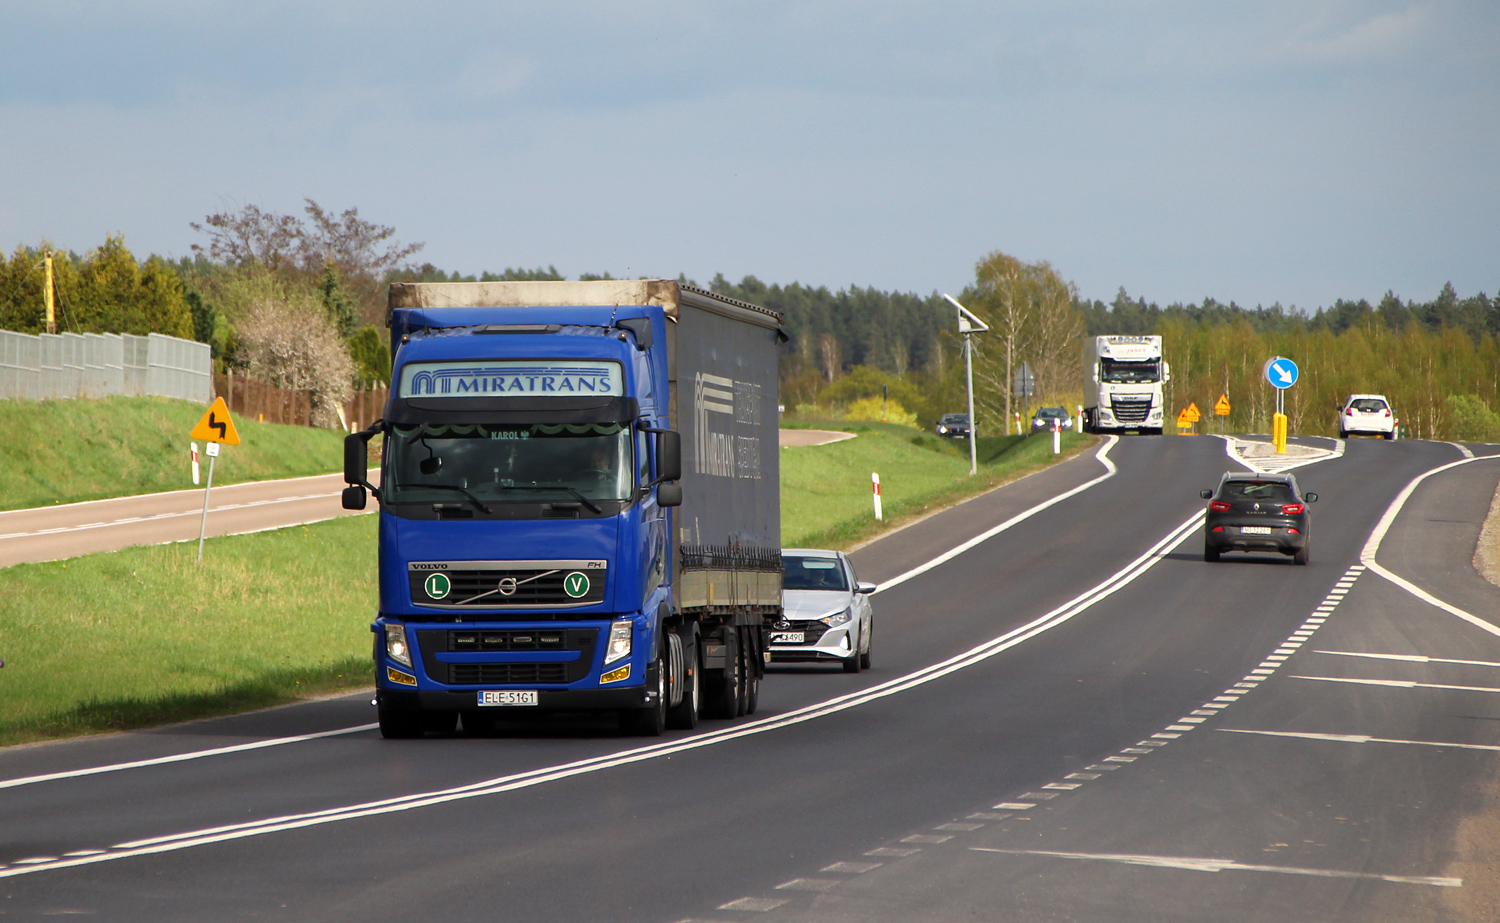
x=67 y=365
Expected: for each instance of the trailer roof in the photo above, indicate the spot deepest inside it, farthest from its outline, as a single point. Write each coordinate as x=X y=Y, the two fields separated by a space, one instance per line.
x=666 y=293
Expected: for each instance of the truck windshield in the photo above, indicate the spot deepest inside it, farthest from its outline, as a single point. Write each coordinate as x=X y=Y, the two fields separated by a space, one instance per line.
x=442 y=462
x=1117 y=371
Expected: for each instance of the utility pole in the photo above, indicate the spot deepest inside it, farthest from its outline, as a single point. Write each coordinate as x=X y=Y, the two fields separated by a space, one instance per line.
x=968 y=325
x=47 y=295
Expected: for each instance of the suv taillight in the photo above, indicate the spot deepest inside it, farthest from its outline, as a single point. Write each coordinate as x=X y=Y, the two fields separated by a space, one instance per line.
x=1218 y=506
x=1292 y=509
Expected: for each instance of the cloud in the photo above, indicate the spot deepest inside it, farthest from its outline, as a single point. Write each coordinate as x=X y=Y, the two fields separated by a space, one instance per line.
x=1378 y=37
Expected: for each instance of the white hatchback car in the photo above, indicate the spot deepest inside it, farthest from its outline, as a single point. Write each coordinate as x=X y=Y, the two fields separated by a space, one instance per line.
x=1369 y=414
x=826 y=611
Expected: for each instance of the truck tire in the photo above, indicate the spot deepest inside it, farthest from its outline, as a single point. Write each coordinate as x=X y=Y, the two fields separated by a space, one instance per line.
x=684 y=716
x=399 y=725
x=751 y=682
x=721 y=690
x=651 y=720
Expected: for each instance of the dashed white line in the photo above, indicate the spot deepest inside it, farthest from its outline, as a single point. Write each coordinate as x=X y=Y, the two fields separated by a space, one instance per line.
x=1398 y=683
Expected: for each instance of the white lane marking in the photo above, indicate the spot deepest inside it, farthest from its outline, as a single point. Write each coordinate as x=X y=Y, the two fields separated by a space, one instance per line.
x=961 y=828
x=894 y=852
x=159 y=516
x=1398 y=683
x=1372 y=547
x=852 y=868
x=1108 y=587
x=1016 y=805
x=1102 y=456
x=754 y=904
x=927 y=838
x=1194 y=864
x=188 y=491
x=808 y=884
x=182 y=757
x=1463 y=450
x=1413 y=658
x=1062 y=786
x=1361 y=739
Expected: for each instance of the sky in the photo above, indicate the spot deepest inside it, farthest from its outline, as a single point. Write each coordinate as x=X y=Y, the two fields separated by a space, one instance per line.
x=1261 y=152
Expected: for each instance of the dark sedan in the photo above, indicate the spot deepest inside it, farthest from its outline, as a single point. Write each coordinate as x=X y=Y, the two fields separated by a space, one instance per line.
x=1257 y=512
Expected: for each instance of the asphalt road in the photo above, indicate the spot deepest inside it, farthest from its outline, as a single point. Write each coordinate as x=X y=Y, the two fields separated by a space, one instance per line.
x=69 y=530
x=1076 y=719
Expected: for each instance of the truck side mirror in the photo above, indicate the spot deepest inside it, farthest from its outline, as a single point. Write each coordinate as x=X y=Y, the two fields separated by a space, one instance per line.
x=356 y=461
x=354 y=497
x=668 y=456
x=669 y=495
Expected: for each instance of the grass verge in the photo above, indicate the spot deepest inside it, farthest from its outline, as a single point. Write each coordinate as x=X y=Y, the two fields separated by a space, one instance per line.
x=146 y=636
x=87 y=449
x=826 y=499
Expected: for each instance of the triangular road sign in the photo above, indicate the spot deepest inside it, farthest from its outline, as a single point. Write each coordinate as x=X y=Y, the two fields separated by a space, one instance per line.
x=1192 y=412
x=1222 y=407
x=216 y=426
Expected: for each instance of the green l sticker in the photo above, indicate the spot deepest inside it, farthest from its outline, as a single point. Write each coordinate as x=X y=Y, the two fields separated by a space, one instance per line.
x=576 y=584
x=438 y=585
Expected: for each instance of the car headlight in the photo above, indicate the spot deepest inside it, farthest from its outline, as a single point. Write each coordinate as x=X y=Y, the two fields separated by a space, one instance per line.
x=396 y=646
x=838 y=618
x=942 y=429
x=618 y=646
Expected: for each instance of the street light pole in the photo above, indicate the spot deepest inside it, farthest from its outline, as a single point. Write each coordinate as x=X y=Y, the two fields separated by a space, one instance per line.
x=968 y=325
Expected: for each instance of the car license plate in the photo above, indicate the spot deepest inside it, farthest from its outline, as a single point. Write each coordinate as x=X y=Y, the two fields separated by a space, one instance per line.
x=1256 y=530
x=493 y=697
x=787 y=637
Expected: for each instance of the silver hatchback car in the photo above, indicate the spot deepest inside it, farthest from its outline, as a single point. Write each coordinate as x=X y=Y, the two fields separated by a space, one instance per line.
x=826 y=611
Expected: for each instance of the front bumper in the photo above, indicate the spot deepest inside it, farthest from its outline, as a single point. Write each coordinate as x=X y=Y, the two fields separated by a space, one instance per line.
x=548 y=700
x=835 y=644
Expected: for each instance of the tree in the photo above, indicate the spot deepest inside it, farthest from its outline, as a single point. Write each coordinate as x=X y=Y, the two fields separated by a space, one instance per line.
x=291 y=343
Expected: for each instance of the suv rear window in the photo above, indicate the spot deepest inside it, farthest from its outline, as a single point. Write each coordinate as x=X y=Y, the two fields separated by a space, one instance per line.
x=1369 y=405
x=1274 y=491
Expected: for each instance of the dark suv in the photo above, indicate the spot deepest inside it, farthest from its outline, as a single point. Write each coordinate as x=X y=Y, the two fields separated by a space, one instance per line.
x=1257 y=512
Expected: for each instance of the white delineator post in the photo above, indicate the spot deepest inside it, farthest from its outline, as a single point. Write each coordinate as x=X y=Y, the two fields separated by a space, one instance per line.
x=194 y=454
x=213 y=454
x=1056 y=437
x=875 y=489
x=1080 y=419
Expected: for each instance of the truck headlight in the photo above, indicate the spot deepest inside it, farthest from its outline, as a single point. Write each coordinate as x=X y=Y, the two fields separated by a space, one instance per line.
x=838 y=618
x=618 y=646
x=396 y=647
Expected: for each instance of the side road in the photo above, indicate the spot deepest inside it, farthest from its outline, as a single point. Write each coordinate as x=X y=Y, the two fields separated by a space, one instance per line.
x=67 y=531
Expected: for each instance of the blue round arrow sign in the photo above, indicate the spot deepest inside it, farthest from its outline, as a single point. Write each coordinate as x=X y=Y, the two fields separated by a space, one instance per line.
x=1281 y=372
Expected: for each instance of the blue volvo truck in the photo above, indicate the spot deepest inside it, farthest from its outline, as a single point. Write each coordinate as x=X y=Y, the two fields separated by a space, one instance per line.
x=579 y=504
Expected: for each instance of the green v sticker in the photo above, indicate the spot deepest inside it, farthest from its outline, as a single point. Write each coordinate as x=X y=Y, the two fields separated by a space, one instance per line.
x=576 y=584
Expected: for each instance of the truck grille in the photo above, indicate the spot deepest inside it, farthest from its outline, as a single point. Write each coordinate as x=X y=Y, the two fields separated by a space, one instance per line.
x=432 y=641
x=1130 y=410
x=506 y=584
x=477 y=674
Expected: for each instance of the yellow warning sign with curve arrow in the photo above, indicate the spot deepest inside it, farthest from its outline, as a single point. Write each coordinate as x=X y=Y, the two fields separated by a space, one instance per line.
x=216 y=425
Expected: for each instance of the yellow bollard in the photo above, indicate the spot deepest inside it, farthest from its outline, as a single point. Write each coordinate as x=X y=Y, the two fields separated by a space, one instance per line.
x=1278 y=432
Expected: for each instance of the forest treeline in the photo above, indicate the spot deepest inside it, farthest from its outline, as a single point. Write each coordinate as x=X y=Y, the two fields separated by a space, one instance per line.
x=298 y=300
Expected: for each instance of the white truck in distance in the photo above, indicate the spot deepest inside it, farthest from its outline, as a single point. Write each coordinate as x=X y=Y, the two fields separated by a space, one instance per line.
x=1122 y=379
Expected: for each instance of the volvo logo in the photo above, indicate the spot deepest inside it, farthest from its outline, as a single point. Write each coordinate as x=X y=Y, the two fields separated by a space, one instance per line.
x=507 y=586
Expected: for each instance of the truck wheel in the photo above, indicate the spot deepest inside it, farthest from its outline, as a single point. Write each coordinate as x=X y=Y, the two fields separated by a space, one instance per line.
x=684 y=717
x=651 y=720
x=864 y=659
x=399 y=725
x=751 y=682
x=722 y=689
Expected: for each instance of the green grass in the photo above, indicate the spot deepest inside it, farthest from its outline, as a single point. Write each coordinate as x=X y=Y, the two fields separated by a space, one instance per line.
x=66 y=451
x=146 y=636
x=826 y=499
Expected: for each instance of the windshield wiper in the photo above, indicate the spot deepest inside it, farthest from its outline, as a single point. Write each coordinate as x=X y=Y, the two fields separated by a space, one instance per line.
x=536 y=485
x=463 y=490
